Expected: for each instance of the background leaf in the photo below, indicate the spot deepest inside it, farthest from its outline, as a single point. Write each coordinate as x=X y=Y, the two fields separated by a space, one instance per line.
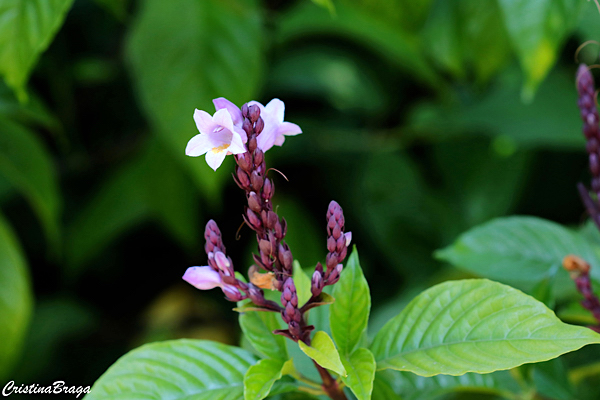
x=349 y=313
x=16 y=299
x=202 y=47
x=29 y=167
x=26 y=29
x=537 y=29
x=474 y=326
x=521 y=251
x=176 y=369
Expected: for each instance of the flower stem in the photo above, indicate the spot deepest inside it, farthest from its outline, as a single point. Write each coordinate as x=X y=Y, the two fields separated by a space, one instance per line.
x=330 y=385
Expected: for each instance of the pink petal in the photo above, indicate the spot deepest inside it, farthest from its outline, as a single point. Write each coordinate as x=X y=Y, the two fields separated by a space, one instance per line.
x=234 y=111
x=203 y=278
x=289 y=129
x=275 y=109
x=223 y=118
x=241 y=132
x=215 y=159
x=237 y=146
x=279 y=141
x=348 y=236
x=204 y=122
x=266 y=139
x=198 y=145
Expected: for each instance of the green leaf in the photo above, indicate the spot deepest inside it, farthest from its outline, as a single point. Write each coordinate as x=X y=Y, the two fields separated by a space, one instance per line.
x=349 y=314
x=327 y=4
x=260 y=377
x=16 y=299
x=26 y=163
x=537 y=29
x=151 y=186
x=208 y=49
x=360 y=367
x=520 y=251
x=26 y=30
x=258 y=327
x=551 y=380
x=390 y=383
x=323 y=351
x=302 y=283
x=474 y=326
x=176 y=369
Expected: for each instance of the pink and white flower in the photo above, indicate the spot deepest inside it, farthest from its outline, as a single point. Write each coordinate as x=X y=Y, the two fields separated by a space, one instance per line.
x=218 y=137
x=203 y=278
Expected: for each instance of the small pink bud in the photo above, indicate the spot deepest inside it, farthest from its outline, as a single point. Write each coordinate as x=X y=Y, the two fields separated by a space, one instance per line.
x=348 y=238
x=222 y=261
x=203 y=278
x=232 y=293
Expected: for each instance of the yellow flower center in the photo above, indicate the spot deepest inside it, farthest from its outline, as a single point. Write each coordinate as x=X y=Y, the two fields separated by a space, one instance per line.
x=220 y=148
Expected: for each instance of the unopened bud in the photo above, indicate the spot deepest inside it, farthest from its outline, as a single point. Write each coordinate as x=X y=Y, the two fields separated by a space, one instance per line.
x=253 y=113
x=335 y=275
x=256 y=180
x=252 y=145
x=222 y=261
x=254 y=202
x=331 y=244
x=317 y=284
x=259 y=156
x=245 y=110
x=253 y=219
x=331 y=260
x=268 y=189
x=247 y=127
x=244 y=161
x=259 y=126
x=232 y=293
x=265 y=247
x=243 y=177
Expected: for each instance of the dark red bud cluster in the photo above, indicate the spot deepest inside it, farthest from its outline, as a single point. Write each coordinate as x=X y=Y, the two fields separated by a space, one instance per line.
x=336 y=242
x=579 y=271
x=212 y=235
x=291 y=314
x=589 y=116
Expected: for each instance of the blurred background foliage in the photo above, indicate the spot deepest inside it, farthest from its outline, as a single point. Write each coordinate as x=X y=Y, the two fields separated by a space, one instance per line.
x=422 y=118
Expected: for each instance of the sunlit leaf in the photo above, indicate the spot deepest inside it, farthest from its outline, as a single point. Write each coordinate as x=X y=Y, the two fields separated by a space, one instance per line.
x=184 y=53
x=16 y=299
x=474 y=326
x=260 y=377
x=521 y=251
x=360 y=366
x=349 y=313
x=323 y=351
x=26 y=30
x=302 y=283
x=177 y=369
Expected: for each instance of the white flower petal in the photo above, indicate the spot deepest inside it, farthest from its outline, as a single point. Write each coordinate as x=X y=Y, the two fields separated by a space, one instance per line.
x=214 y=159
x=198 y=145
x=275 y=109
x=223 y=118
x=204 y=122
x=237 y=146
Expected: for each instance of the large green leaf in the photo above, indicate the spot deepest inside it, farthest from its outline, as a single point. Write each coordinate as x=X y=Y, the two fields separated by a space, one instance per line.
x=537 y=29
x=520 y=251
x=26 y=30
x=184 y=53
x=151 y=186
x=176 y=369
x=414 y=387
x=260 y=378
x=258 y=327
x=25 y=162
x=15 y=299
x=349 y=313
x=323 y=351
x=474 y=326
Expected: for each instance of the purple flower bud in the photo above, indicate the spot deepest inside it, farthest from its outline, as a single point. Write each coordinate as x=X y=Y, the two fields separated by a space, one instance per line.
x=265 y=247
x=319 y=268
x=253 y=113
x=342 y=254
x=253 y=219
x=340 y=244
x=256 y=294
x=222 y=261
x=259 y=157
x=290 y=311
x=247 y=127
x=331 y=260
x=256 y=180
x=331 y=244
x=212 y=235
x=336 y=232
x=203 y=278
x=295 y=330
x=244 y=161
x=272 y=220
x=335 y=275
x=317 y=284
x=243 y=178
x=252 y=144
x=245 y=110
x=254 y=202
x=232 y=293
x=259 y=126
x=268 y=189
